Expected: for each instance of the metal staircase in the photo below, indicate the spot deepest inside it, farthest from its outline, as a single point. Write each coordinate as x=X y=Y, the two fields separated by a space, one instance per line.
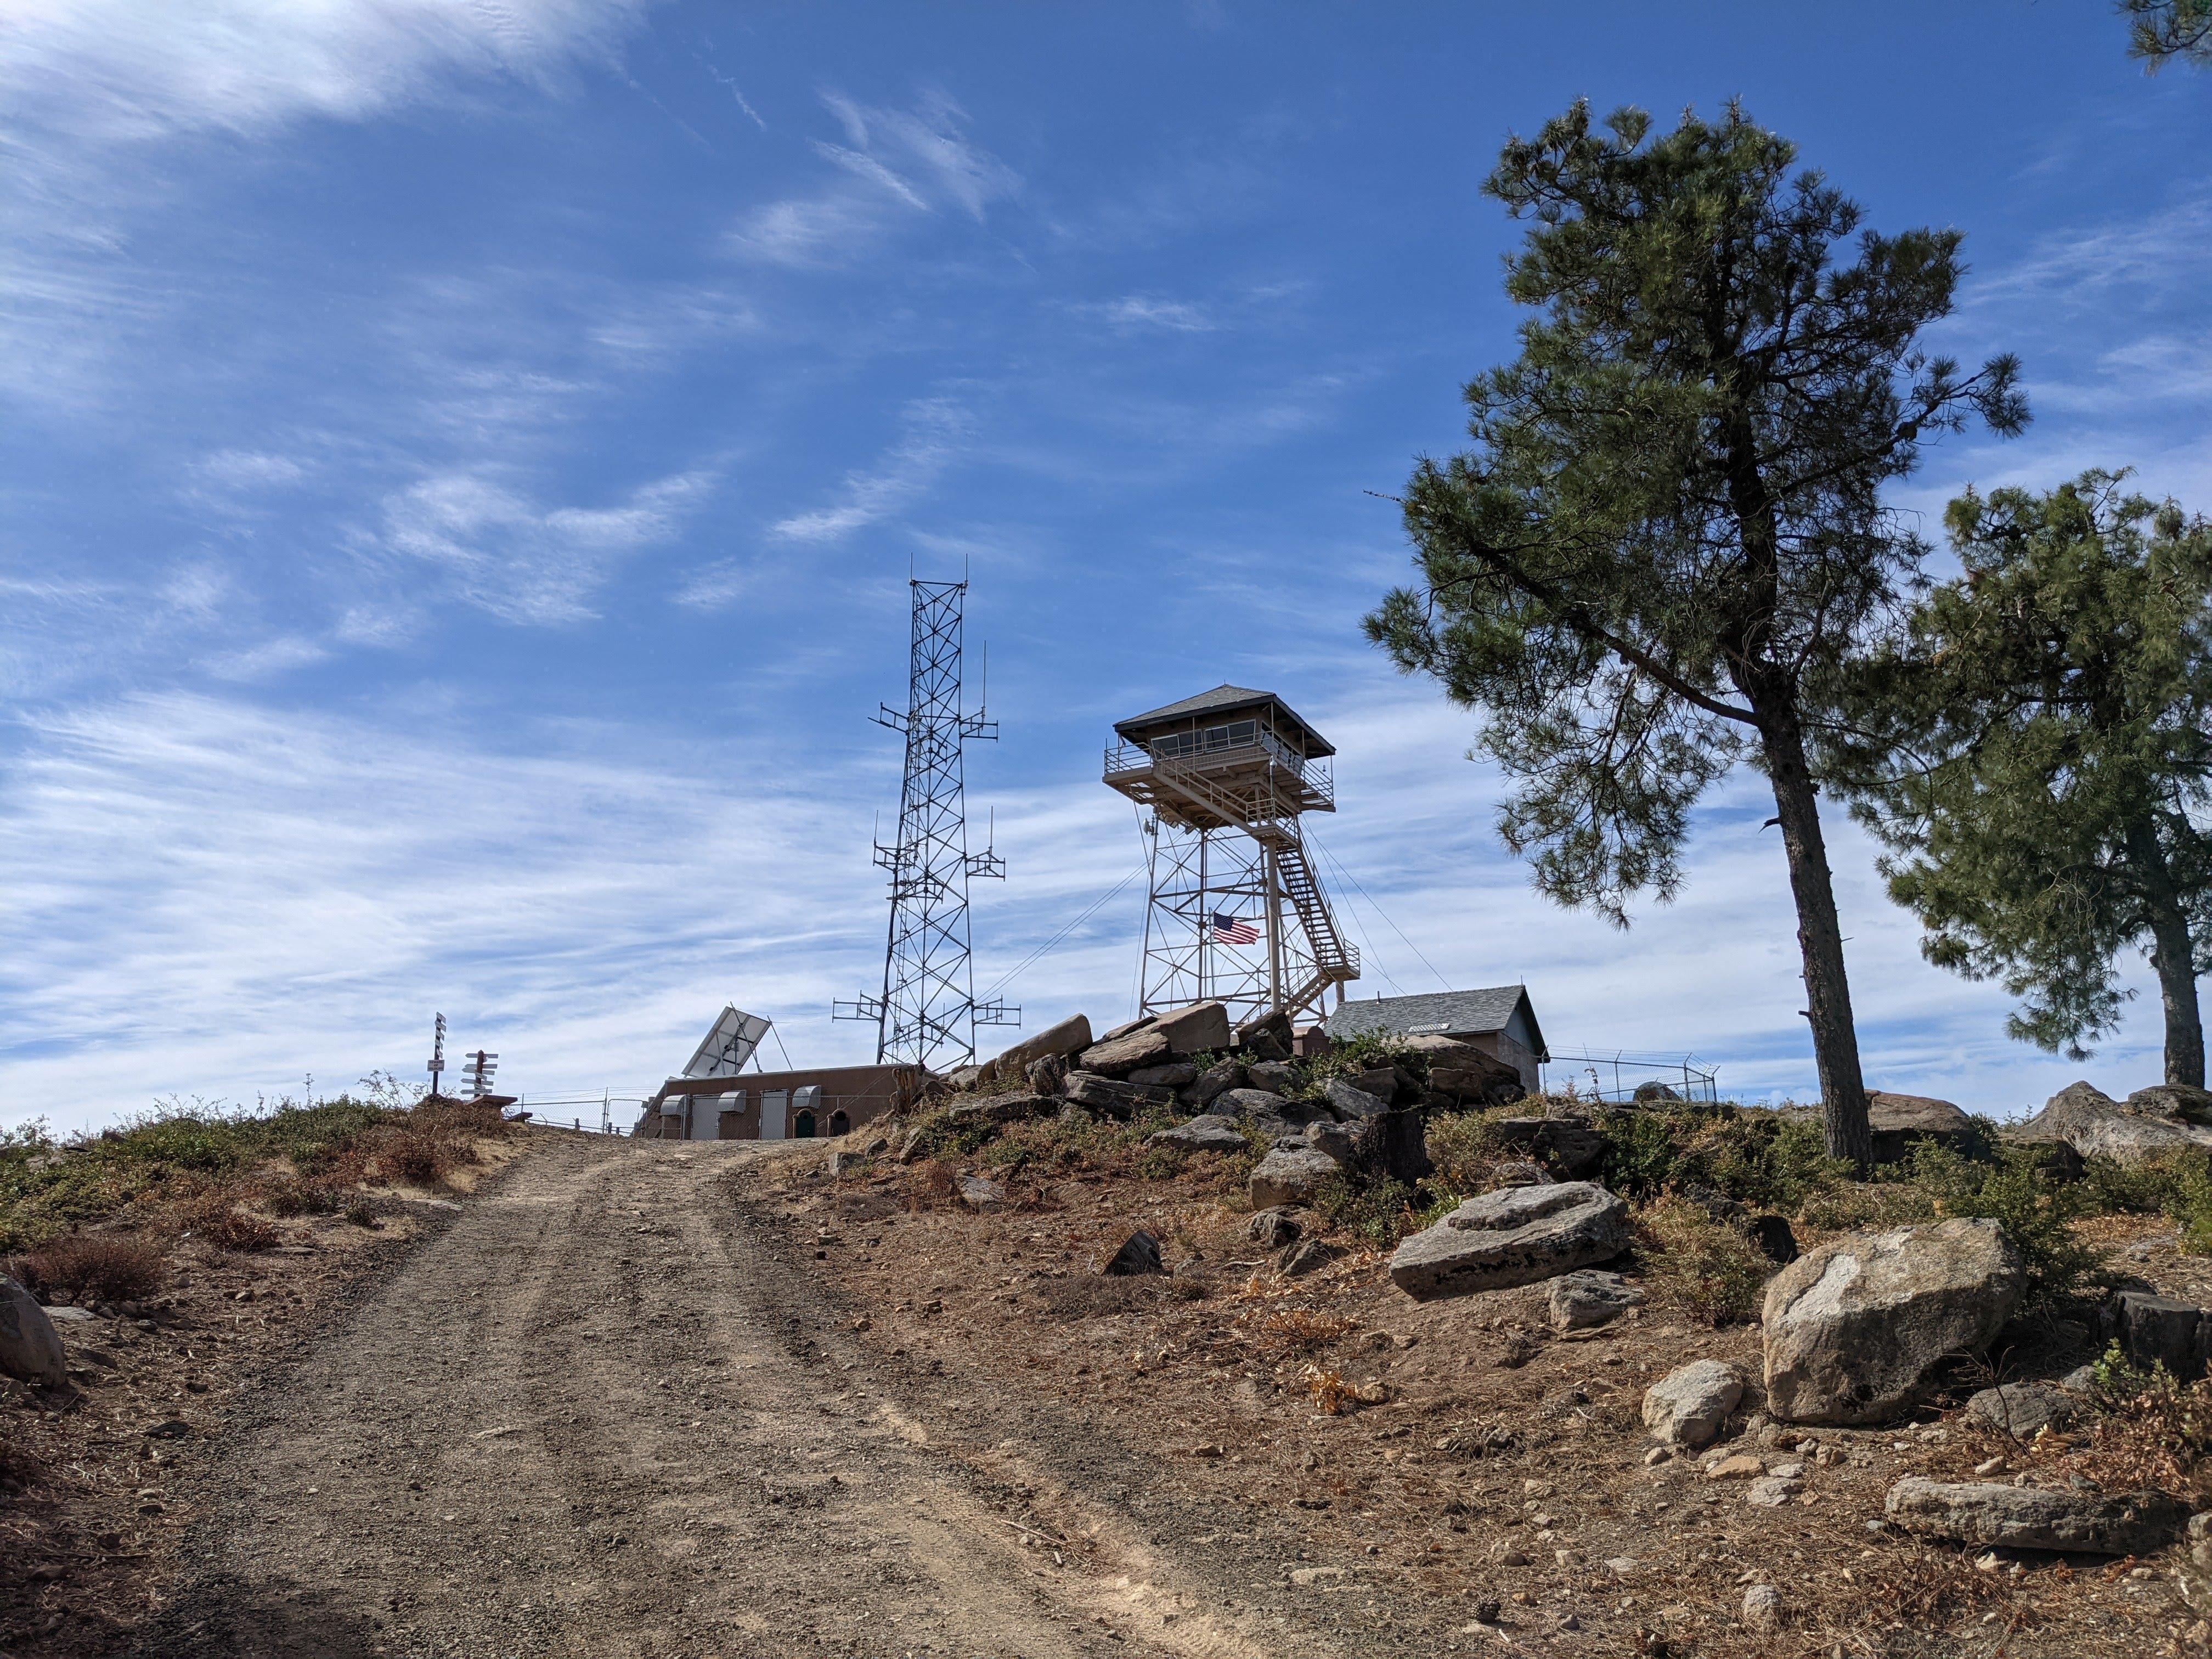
x=1266 y=812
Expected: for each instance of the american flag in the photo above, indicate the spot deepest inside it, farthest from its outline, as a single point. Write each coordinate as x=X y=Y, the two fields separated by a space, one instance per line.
x=1234 y=930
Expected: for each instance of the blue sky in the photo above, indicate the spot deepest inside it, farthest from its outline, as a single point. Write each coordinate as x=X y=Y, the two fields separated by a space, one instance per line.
x=464 y=461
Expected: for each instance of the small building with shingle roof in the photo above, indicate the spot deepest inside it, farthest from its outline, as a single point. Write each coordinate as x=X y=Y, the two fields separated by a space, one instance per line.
x=1498 y=1020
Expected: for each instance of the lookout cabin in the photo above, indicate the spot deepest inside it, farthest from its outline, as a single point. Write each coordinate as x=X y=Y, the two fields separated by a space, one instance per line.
x=1498 y=1020
x=1243 y=743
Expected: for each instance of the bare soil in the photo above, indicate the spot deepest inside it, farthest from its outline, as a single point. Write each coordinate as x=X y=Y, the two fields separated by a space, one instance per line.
x=660 y=1399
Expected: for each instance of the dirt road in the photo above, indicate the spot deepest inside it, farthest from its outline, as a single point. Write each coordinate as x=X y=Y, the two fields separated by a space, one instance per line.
x=604 y=1413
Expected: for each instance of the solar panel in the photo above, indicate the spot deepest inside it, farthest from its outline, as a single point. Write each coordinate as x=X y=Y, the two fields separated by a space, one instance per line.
x=729 y=1045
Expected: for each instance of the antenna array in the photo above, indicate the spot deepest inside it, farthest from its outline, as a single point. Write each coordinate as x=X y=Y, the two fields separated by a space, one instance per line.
x=927 y=1013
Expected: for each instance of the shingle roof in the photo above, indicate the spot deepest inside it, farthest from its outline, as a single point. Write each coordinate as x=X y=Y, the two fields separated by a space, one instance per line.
x=1486 y=1010
x=1221 y=700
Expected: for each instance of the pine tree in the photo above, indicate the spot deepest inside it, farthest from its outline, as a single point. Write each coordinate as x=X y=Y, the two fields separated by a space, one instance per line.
x=1668 y=535
x=2160 y=32
x=2040 y=742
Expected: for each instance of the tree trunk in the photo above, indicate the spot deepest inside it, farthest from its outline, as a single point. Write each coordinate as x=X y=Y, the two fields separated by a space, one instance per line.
x=1820 y=938
x=2174 y=956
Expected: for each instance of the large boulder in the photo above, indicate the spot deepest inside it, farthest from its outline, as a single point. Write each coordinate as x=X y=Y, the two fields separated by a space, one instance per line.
x=1388 y=1146
x=2092 y=1124
x=1515 y=1236
x=1201 y=1028
x=1117 y=1057
x=1265 y=1037
x=1689 y=1405
x=1473 y=1078
x=1348 y=1101
x=1113 y=1097
x=1016 y=1107
x=1897 y=1120
x=1175 y=1074
x=1290 y=1175
x=1066 y=1040
x=1215 y=1080
x=2030 y=1518
x=30 y=1347
x=1855 y=1330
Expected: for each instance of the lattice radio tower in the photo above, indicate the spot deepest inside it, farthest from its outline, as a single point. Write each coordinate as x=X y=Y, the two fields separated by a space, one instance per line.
x=926 y=1014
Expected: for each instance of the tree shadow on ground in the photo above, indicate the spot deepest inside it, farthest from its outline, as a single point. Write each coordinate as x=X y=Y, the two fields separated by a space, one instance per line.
x=273 y=1619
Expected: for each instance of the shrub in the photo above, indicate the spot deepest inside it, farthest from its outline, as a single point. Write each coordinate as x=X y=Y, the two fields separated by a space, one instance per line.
x=418 y=1157
x=2018 y=1192
x=106 y=1266
x=1380 y=1211
x=1711 y=1267
x=222 y=1224
x=1465 y=1149
x=1776 y=1159
x=361 y=1215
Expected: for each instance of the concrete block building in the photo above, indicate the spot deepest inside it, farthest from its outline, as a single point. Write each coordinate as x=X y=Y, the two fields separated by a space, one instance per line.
x=793 y=1105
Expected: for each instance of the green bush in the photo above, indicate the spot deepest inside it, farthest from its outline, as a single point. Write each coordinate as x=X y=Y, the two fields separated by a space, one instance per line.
x=1711 y=1267
x=1380 y=1211
x=1770 y=1158
x=2015 y=1189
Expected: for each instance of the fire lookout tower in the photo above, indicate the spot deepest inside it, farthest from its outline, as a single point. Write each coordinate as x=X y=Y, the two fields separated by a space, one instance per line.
x=1235 y=913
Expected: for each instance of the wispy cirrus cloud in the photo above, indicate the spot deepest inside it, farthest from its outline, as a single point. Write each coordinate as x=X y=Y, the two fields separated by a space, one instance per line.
x=498 y=548
x=898 y=165
x=96 y=96
x=936 y=430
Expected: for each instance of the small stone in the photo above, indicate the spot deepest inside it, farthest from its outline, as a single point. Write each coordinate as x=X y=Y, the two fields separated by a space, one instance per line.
x=1688 y=1407
x=1274 y=1227
x=982 y=1195
x=1743 y=1464
x=1139 y=1253
x=1771 y=1491
x=1655 y=1456
x=1309 y=1254
x=1762 y=1608
x=1314 y=1574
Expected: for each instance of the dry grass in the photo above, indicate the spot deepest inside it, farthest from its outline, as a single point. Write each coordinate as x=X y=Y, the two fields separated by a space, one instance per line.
x=106 y=1266
x=1334 y=1394
x=1710 y=1268
x=216 y=1219
x=1285 y=1331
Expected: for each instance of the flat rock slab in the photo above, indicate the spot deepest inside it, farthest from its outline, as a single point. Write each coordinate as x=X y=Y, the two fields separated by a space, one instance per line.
x=1856 y=1328
x=1515 y=1236
x=1207 y=1133
x=1290 y=1175
x=1201 y=1027
x=1112 y=1096
x=1119 y=1056
x=2027 y=1519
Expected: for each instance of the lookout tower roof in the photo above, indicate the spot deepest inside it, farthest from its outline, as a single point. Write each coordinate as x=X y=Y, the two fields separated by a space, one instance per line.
x=1225 y=700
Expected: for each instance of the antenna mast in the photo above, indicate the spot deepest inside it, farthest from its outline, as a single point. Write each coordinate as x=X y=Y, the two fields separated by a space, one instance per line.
x=926 y=1014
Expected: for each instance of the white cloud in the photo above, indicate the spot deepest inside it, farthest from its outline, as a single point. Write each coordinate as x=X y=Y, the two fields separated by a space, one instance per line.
x=900 y=164
x=714 y=586
x=936 y=430
x=129 y=71
x=520 y=561
x=1137 y=311
x=214 y=899
x=98 y=97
